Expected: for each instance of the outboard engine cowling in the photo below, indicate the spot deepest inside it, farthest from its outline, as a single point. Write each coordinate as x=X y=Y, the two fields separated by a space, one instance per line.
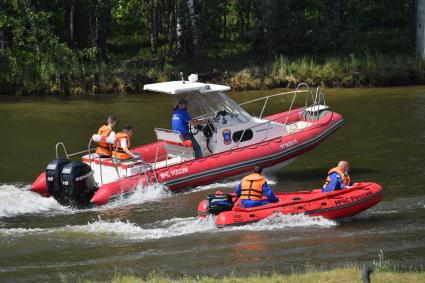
x=217 y=203
x=78 y=184
x=53 y=180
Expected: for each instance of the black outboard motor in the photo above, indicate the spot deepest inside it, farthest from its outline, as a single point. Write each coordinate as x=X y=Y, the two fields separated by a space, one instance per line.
x=71 y=183
x=217 y=203
x=78 y=184
x=53 y=180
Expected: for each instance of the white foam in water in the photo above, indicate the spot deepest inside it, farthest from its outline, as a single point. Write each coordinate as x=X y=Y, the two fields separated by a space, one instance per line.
x=281 y=221
x=175 y=227
x=141 y=195
x=19 y=200
x=22 y=231
x=171 y=228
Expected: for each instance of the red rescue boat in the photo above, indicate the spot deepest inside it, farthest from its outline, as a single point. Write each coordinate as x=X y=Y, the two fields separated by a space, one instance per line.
x=232 y=143
x=330 y=205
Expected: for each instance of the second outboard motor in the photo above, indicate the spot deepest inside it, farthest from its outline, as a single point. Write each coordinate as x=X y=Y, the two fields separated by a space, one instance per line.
x=78 y=184
x=217 y=203
x=53 y=180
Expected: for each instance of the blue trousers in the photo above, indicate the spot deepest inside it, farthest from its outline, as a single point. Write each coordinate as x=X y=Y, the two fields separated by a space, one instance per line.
x=195 y=144
x=253 y=203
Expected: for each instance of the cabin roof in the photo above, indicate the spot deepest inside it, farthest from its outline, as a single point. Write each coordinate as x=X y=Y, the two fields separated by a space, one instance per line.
x=178 y=87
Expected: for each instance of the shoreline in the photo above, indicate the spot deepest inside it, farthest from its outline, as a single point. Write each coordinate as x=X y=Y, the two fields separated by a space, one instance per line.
x=336 y=275
x=281 y=72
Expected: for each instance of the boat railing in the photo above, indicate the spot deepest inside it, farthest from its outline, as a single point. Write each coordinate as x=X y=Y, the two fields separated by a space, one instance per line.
x=144 y=165
x=61 y=144
x=317 y=101
x=92 y=158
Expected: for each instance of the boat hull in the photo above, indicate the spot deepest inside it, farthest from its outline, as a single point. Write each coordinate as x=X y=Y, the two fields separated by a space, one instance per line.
x=271 y=154
x=329 y=205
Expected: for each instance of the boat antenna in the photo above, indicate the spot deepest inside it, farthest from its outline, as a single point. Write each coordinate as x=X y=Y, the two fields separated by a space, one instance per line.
x=181 y=76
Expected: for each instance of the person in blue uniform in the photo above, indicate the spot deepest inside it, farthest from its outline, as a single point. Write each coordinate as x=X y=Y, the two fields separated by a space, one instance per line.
x=180 y=123
x=338 y=178
x=252 y=188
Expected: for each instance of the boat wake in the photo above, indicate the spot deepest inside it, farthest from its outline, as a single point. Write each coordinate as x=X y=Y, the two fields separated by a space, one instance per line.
x=141 y=195
x=281 y=221
x=17 y=200
x=175 y=227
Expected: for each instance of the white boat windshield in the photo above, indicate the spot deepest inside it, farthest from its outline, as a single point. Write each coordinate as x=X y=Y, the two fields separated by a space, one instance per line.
x=209 y=104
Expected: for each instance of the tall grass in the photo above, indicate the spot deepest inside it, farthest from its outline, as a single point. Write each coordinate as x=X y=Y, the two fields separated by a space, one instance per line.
x=78 y=76
x=383 y=271
x=352 y=71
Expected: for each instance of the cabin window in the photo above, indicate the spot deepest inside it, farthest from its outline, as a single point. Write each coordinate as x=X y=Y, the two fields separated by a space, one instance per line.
x=247 y=135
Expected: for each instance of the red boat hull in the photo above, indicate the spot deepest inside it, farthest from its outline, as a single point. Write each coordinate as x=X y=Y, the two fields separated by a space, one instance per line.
x=225 y=164
x=330 y=205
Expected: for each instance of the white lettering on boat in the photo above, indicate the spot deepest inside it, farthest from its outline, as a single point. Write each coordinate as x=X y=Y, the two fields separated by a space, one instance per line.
x=179 y=171
x=175 y=172
x=289 y=144
x=84 y=176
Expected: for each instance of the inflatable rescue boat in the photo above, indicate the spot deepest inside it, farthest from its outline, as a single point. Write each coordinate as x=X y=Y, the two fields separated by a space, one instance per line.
x=232 y=143
x=330 y=205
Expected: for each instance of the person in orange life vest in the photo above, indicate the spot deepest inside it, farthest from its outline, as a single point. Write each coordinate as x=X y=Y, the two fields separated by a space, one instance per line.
x=252 y=188
x=338 y=178
x=121 y=151
x=104 y=149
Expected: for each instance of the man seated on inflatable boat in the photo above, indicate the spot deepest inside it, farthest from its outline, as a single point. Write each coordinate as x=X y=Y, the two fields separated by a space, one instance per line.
x=252 y=188
x=338 y=178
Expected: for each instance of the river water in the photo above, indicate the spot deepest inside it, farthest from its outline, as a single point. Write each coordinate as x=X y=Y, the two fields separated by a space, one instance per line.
x=383 y=138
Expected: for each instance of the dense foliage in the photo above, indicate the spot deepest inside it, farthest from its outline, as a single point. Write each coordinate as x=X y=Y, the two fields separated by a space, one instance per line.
x=81 y=46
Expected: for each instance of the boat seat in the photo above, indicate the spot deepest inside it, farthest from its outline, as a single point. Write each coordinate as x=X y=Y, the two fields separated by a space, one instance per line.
x=108 y=162
x=314 y=113
x=297 y=126
x=175 y=144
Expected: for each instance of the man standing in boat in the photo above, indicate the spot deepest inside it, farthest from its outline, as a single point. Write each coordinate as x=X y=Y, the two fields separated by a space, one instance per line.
x=338 y=178
x=180 y=123
x=252 y=188
x=104 y=149
x=121 y=151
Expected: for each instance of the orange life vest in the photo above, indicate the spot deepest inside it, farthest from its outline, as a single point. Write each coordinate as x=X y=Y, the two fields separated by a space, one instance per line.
x=104 y=148
x=252 y=187
x=345 y=178
x=118 y=151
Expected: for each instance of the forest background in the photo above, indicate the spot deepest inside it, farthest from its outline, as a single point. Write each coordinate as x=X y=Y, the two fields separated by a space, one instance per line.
x=83 y=47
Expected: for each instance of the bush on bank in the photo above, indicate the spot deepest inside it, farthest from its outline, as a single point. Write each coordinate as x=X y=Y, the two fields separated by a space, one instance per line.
x=77 y=74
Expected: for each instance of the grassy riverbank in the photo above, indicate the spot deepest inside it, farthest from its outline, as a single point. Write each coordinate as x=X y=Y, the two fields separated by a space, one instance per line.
x=129 y=77
x=339 y=275
x=383 y=271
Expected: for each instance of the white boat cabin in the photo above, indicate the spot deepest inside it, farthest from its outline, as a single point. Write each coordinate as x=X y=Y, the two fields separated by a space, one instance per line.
x=229 y=125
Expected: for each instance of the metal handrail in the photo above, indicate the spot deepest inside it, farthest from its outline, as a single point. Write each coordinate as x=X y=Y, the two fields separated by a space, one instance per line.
x=316 y=100
x=90 y=149
x=64 y=149
x=275 y=95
